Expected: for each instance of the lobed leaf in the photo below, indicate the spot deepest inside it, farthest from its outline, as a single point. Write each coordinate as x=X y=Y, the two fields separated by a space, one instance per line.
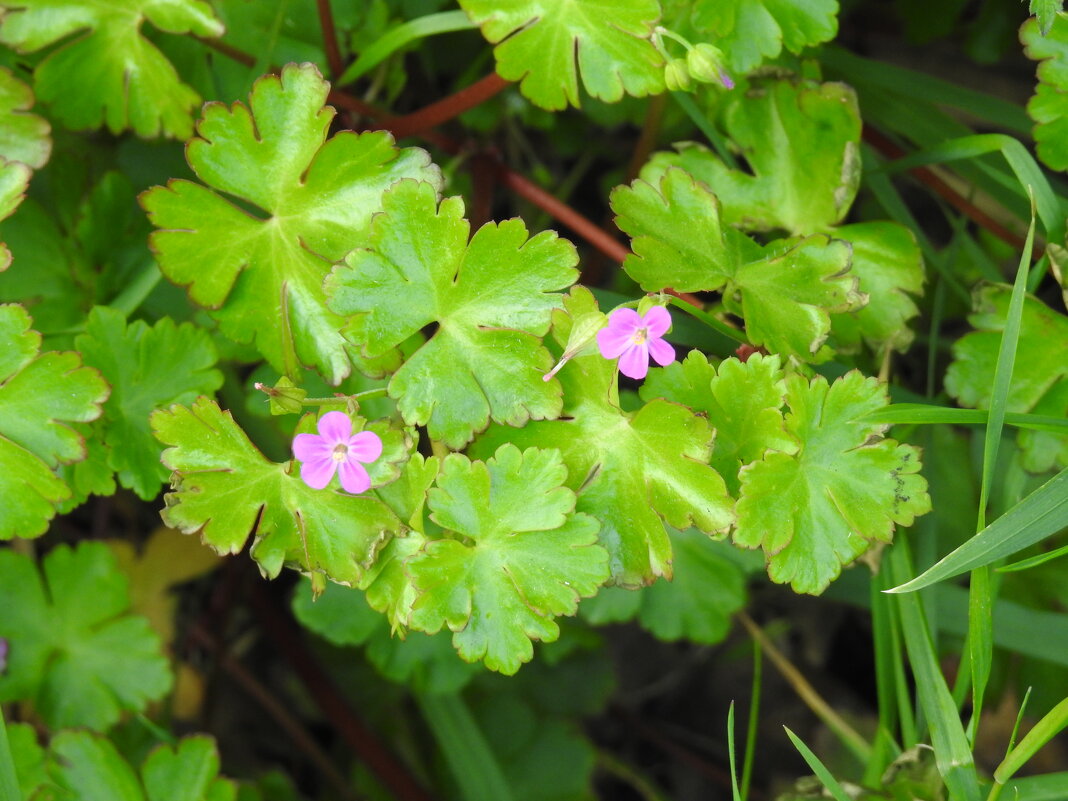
x=491 y=298
x=106 y=72
x=23 y=137
x=522 y=557
x=632 y=471
x=843 y=491
x=226 y=490
x=14 y=179
x=41 y=394
x=1048 y=107
x=148 y=368
x=547 y=45
x=259 y=272
x=74 y=650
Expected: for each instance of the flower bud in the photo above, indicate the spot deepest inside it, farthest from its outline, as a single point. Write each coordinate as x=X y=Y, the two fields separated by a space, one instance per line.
x=284 y=397
x=705 y=63
x=676 y=76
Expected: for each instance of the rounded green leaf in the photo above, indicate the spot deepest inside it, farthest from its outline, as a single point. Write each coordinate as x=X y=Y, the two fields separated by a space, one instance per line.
x=548 y=44
x=226 y=490
x=259 y=272
x=491 y=297
x=23 y=137
x=14 y=178
x=108 y=73
x=1049 y=105
x=521 y=558
x=41 y=394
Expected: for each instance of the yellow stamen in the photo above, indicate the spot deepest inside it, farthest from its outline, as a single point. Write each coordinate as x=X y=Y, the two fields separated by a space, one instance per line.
x=340 y=452
x=639 y=336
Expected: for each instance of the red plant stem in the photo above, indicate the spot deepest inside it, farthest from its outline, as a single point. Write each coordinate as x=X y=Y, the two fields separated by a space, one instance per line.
x=926 y=176
x=333 y=52
x=448 y=107
x=331 y=701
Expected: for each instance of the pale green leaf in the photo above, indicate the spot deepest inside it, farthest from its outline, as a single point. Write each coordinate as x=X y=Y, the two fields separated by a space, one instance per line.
x=24 y=137
x=108 y=73
x=226 y=491
x=491 y=297
x=14 y=178
x=260 y=273
x=522 y=556
x=548 y=44
x=1048 y=107
x=1046 y=11
x=41 y=394
x=842 y=492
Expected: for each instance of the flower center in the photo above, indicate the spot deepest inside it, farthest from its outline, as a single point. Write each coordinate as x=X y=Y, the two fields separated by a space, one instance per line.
x=341 y=451
x=639 y=336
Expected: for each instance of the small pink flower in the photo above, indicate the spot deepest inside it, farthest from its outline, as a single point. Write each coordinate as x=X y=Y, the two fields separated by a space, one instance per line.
x=634 y=339
x=335 y=449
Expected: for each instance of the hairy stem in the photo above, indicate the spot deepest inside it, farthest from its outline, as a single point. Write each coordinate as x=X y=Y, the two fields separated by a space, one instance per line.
x=333 y=52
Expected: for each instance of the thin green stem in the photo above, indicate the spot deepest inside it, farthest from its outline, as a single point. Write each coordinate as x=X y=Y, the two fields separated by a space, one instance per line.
x=754 y=717
x=709 y=320
x=378 y=392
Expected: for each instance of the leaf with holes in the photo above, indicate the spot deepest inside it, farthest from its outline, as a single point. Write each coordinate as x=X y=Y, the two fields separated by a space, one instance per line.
x=802 y=142
x=148 y=368
x=41 y=394
x=257 y=263
x=547 y=45
x=491 y=298
x=226 y=490
x=842 y=492
x=106 y=72
x=74 y=650
x=521 y=556
x=24 y=137
x=632 y=471
x=786 y=291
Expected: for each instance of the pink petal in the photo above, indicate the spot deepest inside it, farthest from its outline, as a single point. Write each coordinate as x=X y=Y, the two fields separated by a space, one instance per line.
x=657 y=320
x=612 y=342
x=353 y=477
x=335 y=427
x=662 y=353
x=318 y=472
x=634 y=363
x=625 y=320
x=309 y=447
x=365 y=447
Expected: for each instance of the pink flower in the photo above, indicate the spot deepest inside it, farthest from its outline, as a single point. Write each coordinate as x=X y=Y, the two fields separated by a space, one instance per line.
x=634 y=339
x=335 y=449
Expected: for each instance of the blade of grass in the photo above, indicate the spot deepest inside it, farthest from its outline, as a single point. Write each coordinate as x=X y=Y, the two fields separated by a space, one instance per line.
x=396 y=38
x=9 y=782
x=1034 y=561
x=754 y=717
x=926 y=414
x=1045 y=730
x=465 y=749
x=697 y=117
x=1040 y=514
x=1019 y=720
x=953 y=754
x=1051 y=787
x=735 y=793
x=824 y=775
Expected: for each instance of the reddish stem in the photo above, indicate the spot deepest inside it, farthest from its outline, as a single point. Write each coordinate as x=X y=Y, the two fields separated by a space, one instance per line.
x=447 y=108
x=333 y=52
x=926 y=176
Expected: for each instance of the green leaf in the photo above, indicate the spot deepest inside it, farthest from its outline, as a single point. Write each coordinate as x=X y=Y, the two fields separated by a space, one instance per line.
x=802 y=143
x=491 y=297
x=23 y=137
x=707 y=588
x=90 y=768
x=785 y=292
x=1046 y=11
x=29 y=760
x=842 y=492
x=1042 y=513
x=1048 y=107
x=522 y=556
x=742 y=400
x=226 y=490
x=73 y=649
x=752 y=31
x=40 y=394
x=148 y=368
x=547 y=44
x=109 y=73
x=632 y=471
x=14 y=179
x=1039 y=379
x=889 y=268
x=259 y=272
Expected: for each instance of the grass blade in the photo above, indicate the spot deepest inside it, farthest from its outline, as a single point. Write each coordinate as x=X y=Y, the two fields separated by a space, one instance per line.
x=1045 y=730
x=395 y=39
x=824 y=775
x=926 y=414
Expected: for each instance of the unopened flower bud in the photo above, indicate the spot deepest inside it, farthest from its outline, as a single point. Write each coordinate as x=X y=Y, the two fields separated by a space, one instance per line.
x=705 y=64
x=285 y=397
x=676 y=75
